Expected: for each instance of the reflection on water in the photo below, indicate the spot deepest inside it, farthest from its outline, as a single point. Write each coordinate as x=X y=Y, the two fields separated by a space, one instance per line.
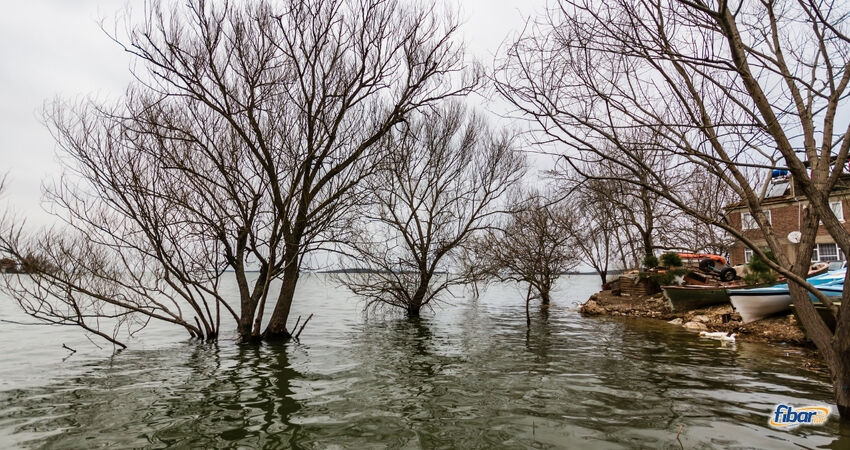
x=470 y=376
x=191 y=396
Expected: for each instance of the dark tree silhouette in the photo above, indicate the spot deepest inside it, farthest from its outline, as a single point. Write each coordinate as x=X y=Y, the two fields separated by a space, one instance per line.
x=239 y=146
x=438 y=186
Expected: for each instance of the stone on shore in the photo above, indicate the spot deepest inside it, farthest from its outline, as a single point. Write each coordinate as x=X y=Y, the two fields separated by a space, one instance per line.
x=696 y=326
x=591 y=308
x=778 y=329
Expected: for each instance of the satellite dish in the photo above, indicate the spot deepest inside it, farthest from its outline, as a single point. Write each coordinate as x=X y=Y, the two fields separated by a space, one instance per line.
x=794 y=237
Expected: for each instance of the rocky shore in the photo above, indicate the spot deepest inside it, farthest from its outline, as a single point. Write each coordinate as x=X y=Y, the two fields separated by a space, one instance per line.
x=777 y=330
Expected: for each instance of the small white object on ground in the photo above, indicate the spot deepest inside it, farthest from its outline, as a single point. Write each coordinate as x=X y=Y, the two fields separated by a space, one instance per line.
x=718 y=335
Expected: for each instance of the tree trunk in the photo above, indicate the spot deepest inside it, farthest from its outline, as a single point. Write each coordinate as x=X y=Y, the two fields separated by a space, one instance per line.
x=545 y=296
x=415 y=304
x=413 y=310
x=276 y=329
x=839 y=362
x=246 y=318
x=841 y=384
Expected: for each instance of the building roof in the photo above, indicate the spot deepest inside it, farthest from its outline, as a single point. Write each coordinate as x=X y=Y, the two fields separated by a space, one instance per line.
x=781 y=189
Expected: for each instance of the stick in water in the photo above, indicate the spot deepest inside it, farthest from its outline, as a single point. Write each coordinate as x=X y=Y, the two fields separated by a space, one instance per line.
x=681 y=425
x=303 y=325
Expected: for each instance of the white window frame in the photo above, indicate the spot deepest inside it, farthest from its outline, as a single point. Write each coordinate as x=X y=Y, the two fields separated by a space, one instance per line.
x=837 y=208
x=748 y=222
x=817 y=254
x=748 y=255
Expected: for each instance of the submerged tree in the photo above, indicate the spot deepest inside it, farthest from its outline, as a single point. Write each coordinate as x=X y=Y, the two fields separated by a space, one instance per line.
x=533 y=246
x=438 y=185
x=726 y=90
x=239 y=147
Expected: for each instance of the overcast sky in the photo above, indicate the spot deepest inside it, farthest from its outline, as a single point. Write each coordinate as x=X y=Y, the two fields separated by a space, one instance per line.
x=55 y=49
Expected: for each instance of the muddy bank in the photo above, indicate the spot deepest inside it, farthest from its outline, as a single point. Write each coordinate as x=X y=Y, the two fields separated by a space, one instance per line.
x=781 y=329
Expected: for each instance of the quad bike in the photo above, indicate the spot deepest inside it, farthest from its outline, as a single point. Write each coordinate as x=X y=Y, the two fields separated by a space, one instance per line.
x=724 y=273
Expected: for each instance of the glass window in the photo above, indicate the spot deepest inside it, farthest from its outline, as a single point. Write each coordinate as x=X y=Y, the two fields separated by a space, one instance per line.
x=749 y=223
x=829 y=252
x=837 y=209
x=748 y=255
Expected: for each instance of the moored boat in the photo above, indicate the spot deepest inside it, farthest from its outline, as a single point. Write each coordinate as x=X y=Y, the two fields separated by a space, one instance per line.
x=685 y=298
x=830 y=289
x=697 y=296
x=760 y=302
x=833 y=291
x=824 y=313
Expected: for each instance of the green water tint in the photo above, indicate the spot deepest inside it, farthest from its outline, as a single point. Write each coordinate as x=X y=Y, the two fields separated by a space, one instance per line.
x=469 y=376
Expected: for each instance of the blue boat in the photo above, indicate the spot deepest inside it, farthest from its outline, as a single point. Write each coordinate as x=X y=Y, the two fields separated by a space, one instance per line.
x=757 y=303
x=831 y=289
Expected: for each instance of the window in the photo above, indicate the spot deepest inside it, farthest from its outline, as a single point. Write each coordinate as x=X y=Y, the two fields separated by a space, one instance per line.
x=749 y=223
x=837 y=209
x=827 y=252
x=748 y=255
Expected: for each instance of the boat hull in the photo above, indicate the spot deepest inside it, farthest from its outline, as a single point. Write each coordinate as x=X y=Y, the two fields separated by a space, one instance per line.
x=829 y=290
x=824 y=313
x=686 y=298
x=757 y=305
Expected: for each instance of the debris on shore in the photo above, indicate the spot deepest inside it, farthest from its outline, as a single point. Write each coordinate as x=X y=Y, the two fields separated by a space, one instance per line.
x=719 y=318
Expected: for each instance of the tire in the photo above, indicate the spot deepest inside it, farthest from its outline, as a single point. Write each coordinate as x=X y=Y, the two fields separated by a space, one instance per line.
x=706 y=265
x=728 y=274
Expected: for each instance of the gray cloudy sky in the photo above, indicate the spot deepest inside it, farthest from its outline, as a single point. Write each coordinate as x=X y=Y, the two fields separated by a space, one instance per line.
x=55 y=49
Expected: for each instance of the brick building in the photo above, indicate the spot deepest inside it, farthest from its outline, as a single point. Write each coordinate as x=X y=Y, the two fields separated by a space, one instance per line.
x=784 y=211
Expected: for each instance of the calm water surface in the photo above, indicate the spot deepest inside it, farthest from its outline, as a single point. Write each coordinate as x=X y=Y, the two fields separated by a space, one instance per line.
x=469 y=375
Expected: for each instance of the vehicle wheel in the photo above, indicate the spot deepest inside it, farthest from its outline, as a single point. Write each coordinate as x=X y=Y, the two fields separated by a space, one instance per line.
x=728 y=274
x=707 y=265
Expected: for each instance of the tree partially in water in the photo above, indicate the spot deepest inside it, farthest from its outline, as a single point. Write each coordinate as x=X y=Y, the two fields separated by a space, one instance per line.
x=239 y=146
x=534 y=246
x=727 y=91
x=438 y=186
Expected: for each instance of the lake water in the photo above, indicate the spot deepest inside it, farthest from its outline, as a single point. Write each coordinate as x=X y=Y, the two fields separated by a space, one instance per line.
x=468 y=375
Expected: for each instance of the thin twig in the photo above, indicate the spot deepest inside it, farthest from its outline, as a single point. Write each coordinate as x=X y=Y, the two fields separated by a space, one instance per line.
x=681 y=426
x=303 y=325
x=296 y=323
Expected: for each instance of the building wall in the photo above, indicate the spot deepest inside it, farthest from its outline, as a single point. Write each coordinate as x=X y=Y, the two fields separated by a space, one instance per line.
x=785 y=218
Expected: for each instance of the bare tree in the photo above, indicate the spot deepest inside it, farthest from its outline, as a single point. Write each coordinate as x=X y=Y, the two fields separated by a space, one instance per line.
x=727 y=89
x=239 y=146
x=533 y=246
x=437 y=187
x=596 y=227
x=636 y=221
x=645 y=221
